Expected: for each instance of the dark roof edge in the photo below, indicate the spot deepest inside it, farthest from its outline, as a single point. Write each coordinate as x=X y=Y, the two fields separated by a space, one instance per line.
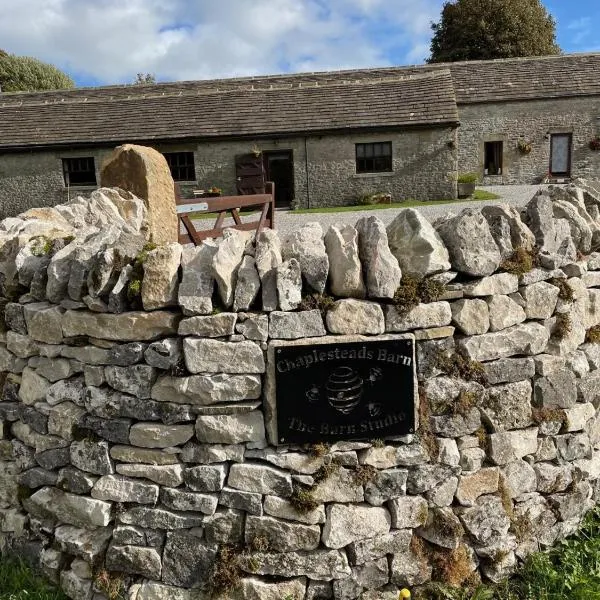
x=223 y=138
x=529 y=99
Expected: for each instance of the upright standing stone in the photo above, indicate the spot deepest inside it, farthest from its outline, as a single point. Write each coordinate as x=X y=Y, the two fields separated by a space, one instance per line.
x=226 y=263
x=289 y=284
x=144 y=172
x=161 y=277
x=307 y=247
x=268 y=258
x=380 y=265
x=345 y=272
x=197 y=281
x=247 y=286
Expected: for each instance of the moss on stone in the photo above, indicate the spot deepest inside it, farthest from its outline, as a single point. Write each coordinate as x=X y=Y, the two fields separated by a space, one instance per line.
x=592 y=335
x=413 y=291
x=542 y=415
x=425 y=434
x=563 y=326
x=322 y=302
x=456 y=365
x=42 y=246
x=319 y=450
x=565 y=291
x=226 y=572
x=364 y=474
x=522 y=261
x=110 y=584
x=302 y=498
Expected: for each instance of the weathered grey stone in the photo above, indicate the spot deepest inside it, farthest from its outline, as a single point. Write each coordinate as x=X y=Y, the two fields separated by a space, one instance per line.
x=248 y=502
x=486 y=521
x=552 y=478
x=92 y=457
x=501 y=216
x=134 y=560
x=14 y=317
x=33 y=387
x=74 y=480
x=157 y=435
x=126 y=327
x=416 y=244
x=53 y=459
x=345 y=272
x=578 y=363
x=425 y=477
x=289 y=284
x=573 y=446
x=473 y=485
x=347 y=317
x=88 y=545
x=347 y=524
x=214 y=356
x=124 y=355
x=408 y=512
x=380 y=266
x=168 y=475
x=254 y=327
x=164 y=354
x=386 y=457
x=540 y=300
x=231 y=429
x=493 y=285
x=442 y=528
x=558 y=389
x=509 y=370
x=219 y=325
x=504 y=313
x=526 y=338
x=283 y=509
x=150 y=590
x=136 y=380
x=247 y=286
x=471 y=316
x=341 y=486
x=518 y=478
x=68 y=508
x=225 y=526
x=385 y=486
x=37 y=478
x=291 y=326
x=20 y=345
x=470 y=243
x=281 y=536
x=408 y=569
x=395 y=542
x=160 y=281
x=206 y=478
x=372 y=576
x=63 y=418
x=188 y=501
x=433 y=314
x=197 y=281
x=120 y=489
x=508 y=446
x=75 y=587
x=258 y=478
x=117 y=297
x=307 y=247
x=30 y=437
x=589 y=389
x=577 y=416
x=268 y=257
x=9 y=362
x=226 y=263
x=158 y=518
x=507 y=406
x=131 y=454
x=451 y=426
x=54 y=369
x=256 y=589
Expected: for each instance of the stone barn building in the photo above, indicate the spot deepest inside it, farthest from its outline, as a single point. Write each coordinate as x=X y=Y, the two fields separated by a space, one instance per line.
x=324 y=138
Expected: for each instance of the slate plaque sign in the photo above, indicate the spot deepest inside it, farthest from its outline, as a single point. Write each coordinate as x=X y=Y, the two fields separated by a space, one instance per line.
x=345 y=391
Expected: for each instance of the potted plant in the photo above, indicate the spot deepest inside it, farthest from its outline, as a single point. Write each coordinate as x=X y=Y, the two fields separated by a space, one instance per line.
x=595 y=144
x=524 y=147
x=466 y=184
x=211 y=192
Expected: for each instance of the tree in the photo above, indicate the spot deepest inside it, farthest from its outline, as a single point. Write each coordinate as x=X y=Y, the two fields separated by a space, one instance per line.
x=486 y=29
x=26 y=74
x=144 y=78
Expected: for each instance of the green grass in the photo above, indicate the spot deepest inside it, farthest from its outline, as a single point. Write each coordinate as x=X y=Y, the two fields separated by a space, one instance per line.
x=478 y=195
x=19 y=582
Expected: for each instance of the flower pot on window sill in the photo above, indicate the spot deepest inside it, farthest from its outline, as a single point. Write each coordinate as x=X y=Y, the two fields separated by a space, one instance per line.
x=465 y=189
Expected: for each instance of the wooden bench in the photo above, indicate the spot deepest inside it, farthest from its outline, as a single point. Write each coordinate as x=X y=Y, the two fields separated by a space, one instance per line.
x=221 y=206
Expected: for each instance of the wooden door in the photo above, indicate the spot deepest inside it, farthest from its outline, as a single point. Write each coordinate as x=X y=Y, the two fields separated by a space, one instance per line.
x=249 y=174
x=560 y=154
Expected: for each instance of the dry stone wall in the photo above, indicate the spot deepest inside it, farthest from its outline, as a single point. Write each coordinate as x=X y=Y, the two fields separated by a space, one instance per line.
x=137 y=449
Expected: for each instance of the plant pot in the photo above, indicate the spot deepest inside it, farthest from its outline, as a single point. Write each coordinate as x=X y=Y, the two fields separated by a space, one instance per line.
x=465 y=189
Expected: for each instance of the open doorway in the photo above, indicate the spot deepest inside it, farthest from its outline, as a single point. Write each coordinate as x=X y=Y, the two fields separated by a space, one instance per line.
x=279 y=168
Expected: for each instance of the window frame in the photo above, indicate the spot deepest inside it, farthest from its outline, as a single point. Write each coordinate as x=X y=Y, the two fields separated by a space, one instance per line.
x=499 y=167
x=185 y=168
x=73 y=165
x=373 y=157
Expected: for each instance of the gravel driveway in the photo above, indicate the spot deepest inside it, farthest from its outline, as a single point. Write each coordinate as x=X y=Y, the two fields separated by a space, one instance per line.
x=287 y=221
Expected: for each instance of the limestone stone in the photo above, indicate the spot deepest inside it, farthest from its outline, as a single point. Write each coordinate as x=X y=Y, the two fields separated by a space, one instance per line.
x=37 y=478
x=281 y=536
x=33 y=387
x=86 y=544
x=493 y=285
x=347 y=524
x=380 y=266
x=471 y=486
x=288 y=279
x=158 y=518
x=150 y=590
x=283 y=509
x=556 y=390
x=226 y=526
x=408 y=512
x=144 y=172
x=416 y=244
x=347 y=317
x=540 y=299
x=443 y=494
x=206 y=389
x=157 y=435
x=226 y=263
x=341 y=486
x=589 y=390
x=291 y=326
x=188 y=501
x=426 y=477
x=519 y=235
x=471 y=316
x=92 y=457
x=44 y=322
x=164 y=354
x=307 y=247
x=250 y=477
x=69 y=508
x=407 y=569
x=507 y=406
x=508 y=446
x=131 y=454
x=136 y=380
x=20 y=345
x=487 y=520
x=160 y=281
x=577 y=416
x=442 y=528
x=385 y=486
x=395 y=542
x=345 y=272
x=386 y=457
x=197 y=279
x=168 y=475
x=470 y=244
x=256 y=589
x=120 y=489
x=41 y=442
x=117 y=297
x=53 y=369
x=509 y=370
x=254 y=327
x=518 y=478
x=433 y=314
x=504 y=313
x=552 y=478
x=212 y=326
x=63 y=418
x=268 y=257
x=573 y=446
x=371 y=576
x=214 y=356
x=134 y=560
x=75 y=587
x=126 y=327
x=525 y=338
x=247 y=285
x=231 y=429
x=249 y=502
x=578 y=363
x=206 y=478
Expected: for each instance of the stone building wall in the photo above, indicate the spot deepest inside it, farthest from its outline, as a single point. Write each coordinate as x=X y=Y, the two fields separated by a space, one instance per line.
x=138 y=449
x=532 y=121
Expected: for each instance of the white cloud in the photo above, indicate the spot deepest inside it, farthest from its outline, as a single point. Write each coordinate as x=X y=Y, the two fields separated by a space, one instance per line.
x=112 y=40
x=581 y=29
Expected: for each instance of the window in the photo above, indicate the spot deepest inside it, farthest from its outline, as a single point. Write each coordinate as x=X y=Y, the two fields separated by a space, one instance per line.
x=79 y=171
x=493 y=158
x=181 y=165
x=374 y=158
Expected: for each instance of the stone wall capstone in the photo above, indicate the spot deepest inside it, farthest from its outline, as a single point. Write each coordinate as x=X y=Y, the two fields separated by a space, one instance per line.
x=138 y=434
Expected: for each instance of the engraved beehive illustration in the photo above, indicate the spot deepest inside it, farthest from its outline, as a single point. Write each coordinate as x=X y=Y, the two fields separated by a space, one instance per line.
x=344 y=389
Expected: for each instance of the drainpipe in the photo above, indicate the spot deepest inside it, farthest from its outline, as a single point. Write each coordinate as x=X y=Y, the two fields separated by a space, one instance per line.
x=306 y=169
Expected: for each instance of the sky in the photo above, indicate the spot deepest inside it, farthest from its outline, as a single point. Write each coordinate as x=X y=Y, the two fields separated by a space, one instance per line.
x=101 y=42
